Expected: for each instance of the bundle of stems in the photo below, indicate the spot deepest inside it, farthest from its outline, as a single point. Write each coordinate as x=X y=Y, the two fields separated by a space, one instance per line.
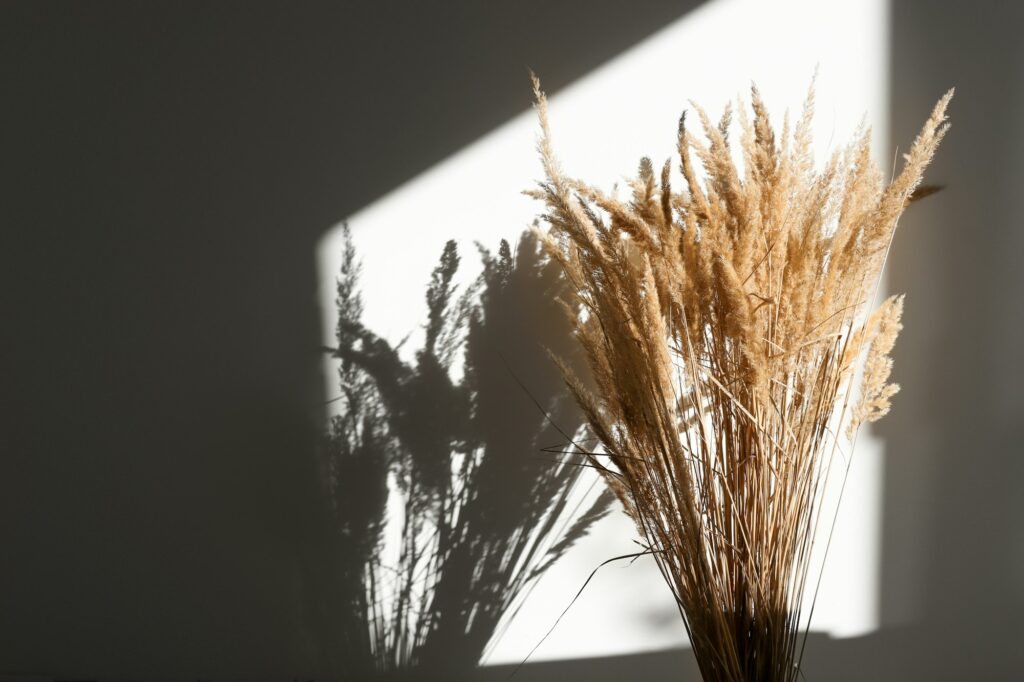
x=729 y=336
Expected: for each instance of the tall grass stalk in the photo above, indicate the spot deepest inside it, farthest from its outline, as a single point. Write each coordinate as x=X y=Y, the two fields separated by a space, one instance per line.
x=730 y=339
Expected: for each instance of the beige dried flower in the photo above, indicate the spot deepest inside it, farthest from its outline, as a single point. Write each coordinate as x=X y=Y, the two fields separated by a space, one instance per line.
x=722 y=325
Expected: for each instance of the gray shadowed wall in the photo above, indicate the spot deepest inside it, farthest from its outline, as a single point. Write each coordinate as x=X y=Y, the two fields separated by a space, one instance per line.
x=167 y=170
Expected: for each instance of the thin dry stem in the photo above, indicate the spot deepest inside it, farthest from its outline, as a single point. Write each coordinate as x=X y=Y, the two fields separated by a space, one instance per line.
x=723 y=326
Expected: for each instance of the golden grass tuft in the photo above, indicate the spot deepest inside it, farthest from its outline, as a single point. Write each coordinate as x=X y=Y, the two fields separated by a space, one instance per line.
x=725 y=326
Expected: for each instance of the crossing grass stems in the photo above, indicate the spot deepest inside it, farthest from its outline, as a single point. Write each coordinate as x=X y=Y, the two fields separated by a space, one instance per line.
x=732 y=352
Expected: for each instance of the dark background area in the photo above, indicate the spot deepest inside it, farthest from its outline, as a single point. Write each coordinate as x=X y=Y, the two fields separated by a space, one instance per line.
x=167 y=170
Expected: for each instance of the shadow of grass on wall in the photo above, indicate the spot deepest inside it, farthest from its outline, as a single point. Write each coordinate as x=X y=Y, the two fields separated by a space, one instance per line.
x=448 y=458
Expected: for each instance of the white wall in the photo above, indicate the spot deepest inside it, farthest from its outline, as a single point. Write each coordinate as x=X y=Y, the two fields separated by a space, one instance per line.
x=602 y=125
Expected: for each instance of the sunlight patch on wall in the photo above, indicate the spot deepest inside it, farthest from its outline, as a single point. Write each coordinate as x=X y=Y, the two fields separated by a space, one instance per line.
x=602 y=124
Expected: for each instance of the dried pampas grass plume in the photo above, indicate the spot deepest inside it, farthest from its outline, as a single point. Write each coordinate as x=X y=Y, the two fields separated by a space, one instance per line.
x=725 y=326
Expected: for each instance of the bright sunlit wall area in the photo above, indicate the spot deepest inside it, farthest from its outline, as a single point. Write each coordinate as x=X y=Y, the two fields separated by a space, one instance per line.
x=603 y=124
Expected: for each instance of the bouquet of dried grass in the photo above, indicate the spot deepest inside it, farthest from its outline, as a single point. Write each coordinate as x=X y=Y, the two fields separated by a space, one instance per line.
x=725 y=327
